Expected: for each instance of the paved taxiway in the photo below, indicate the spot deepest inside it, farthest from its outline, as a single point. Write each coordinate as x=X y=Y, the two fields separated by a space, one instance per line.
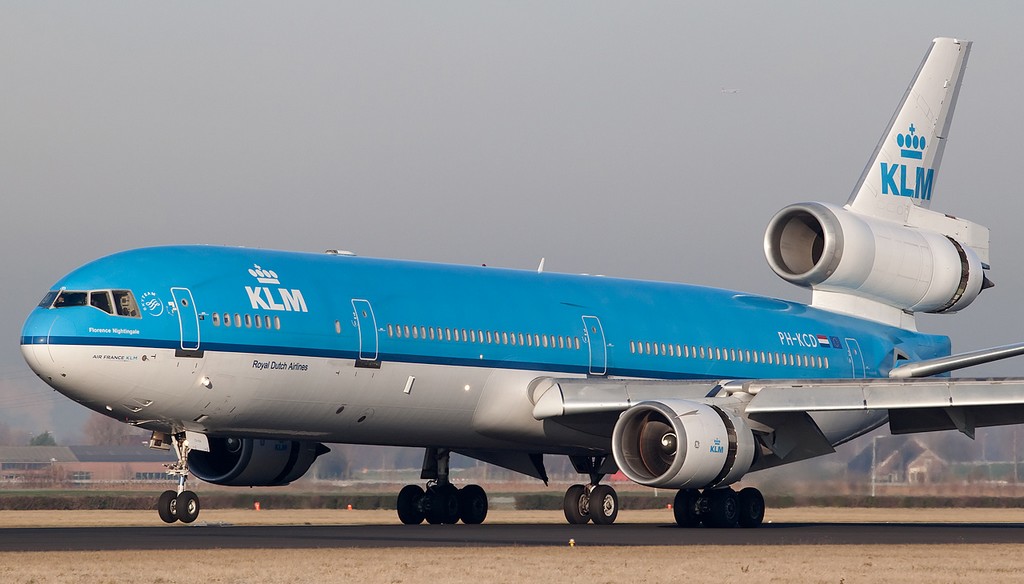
x=370 y=536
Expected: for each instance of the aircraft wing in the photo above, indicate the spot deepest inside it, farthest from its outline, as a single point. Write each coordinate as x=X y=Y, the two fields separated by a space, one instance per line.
x=914 y=404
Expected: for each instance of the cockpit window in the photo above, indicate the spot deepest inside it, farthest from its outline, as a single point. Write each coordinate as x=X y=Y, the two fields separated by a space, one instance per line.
x=101 y=299
x=113 y=302
x=124 y=302
x=47 y=300
x=68 y=298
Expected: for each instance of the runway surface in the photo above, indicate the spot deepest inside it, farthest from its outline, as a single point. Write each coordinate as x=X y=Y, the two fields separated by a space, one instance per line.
x=201 y=536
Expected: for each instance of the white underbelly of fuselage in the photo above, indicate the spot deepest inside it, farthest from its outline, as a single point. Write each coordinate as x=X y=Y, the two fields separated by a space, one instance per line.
x=309 y=398
x=329 y=400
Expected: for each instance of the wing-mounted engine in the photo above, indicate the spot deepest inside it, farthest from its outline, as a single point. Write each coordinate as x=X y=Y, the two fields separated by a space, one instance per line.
x=682 y=444
x=248 y=462
x=933 y=263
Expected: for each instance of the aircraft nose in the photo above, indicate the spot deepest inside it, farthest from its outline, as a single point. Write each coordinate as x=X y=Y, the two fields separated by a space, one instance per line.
x=42 y=327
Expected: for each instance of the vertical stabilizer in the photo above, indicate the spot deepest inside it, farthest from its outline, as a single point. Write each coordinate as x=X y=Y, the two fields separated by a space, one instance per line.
x=903 y=170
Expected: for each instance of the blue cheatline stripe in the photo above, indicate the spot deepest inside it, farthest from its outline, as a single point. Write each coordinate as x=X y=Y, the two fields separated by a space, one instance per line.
x=269 y=350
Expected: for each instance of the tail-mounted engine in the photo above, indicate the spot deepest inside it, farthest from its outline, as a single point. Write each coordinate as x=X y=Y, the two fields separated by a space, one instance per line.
x=248 y=462
x=679 y=444
x=910 y=267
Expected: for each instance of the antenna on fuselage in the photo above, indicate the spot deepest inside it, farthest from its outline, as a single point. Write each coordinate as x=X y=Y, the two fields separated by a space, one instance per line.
x=540 y=268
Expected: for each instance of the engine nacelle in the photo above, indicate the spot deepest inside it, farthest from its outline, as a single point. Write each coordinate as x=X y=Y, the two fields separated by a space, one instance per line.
x=830 y=248
x=677 y=444
x=249 y=462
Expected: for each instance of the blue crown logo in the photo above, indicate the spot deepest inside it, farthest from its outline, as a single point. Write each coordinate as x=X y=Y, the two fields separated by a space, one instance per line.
x=911 y=145
x=263 y=276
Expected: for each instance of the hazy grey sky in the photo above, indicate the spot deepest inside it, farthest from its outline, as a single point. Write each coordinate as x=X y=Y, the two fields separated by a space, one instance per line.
x=594 y=134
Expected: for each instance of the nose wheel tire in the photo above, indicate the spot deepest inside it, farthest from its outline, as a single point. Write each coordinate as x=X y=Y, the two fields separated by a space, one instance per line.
x=187 y=506
x=166 y=506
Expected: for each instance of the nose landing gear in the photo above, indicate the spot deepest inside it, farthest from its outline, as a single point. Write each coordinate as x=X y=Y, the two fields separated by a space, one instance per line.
x=181 y=504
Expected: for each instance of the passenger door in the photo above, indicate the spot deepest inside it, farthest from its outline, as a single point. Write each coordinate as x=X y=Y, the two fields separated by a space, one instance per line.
x=856 y=357
x=593 y=335
x=188 y=318
x=367 y=325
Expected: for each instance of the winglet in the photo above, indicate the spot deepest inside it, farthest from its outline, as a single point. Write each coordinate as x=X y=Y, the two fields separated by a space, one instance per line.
x=903 y=169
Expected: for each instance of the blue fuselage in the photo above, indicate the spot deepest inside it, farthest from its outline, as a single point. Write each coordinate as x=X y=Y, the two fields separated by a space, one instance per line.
x=335 y=348
x=312 y=305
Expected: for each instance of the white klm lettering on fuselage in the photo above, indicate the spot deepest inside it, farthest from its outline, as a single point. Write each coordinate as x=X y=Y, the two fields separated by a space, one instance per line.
x=264 y=297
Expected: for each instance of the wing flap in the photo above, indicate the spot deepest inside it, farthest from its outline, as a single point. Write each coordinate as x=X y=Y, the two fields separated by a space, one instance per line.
x=880 y=394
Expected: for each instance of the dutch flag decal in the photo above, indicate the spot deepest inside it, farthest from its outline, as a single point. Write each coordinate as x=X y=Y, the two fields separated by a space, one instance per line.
x=822 y=341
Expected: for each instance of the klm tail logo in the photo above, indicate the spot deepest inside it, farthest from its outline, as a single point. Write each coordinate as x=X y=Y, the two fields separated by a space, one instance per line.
x=894 y=176
x=265 y=298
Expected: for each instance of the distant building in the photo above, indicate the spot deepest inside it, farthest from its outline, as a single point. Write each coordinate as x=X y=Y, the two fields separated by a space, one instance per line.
x=82 y=464
x=900 y=459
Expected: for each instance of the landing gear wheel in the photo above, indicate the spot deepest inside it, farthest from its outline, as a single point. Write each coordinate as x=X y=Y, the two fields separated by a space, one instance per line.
x=725 y=508
x=410 y=510
x=166 y=506
x=472 y=504
x=441 y=504
x=684 y=508
x=751 y=507
x=576 y=505
x=186 y=506
x=604 y=505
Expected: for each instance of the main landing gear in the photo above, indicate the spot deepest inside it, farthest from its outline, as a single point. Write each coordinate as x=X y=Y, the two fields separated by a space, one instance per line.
x=719 y=508
x=585 y=503
x=441 y=502
x=180 y=505
x=593 y=501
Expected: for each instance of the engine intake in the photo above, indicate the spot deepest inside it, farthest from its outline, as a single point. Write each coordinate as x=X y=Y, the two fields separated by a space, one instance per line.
x=682 y=444
x=830 y=248
x=249 y=462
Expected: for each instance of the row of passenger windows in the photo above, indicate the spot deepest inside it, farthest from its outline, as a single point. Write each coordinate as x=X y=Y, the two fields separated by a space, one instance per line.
x=481 y=336
x=721 y=354
x=247 y=320
x=549 y=341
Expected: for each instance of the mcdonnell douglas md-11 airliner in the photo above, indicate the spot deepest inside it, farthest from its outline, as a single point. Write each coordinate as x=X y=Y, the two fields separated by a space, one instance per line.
x=246 y=362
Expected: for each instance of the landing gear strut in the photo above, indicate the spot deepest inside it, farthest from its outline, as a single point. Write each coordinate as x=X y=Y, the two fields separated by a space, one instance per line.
x=181 y=504
x=719 y=508
x=441 y=502
x=593 y=501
